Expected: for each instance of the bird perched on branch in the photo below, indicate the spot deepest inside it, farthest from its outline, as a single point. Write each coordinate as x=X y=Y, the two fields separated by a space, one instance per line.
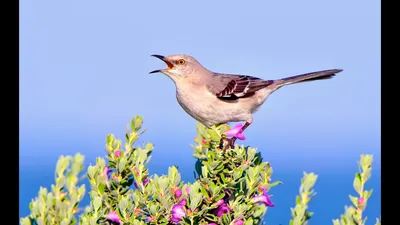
x=216 y=98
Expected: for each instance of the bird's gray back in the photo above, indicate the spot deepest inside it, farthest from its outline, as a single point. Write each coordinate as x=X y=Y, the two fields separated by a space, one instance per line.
x=218 y=82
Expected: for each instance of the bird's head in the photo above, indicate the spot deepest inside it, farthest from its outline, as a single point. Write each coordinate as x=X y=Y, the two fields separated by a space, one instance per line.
x=179 y=66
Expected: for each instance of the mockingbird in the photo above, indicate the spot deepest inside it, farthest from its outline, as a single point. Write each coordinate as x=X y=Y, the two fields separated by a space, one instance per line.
x=216 y=98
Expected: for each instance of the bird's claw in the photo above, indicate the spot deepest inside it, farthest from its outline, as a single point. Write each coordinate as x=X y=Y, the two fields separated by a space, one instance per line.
x=231 y=142
x=227 y=143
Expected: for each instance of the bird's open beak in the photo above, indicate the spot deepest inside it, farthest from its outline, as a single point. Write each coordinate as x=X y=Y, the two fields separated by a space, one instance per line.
x=169 y=64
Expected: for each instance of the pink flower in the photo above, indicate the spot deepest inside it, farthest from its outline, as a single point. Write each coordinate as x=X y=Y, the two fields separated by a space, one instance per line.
x=238 y=222
x=222 y=208
x=264 y=199
x=112 y=216
x=178 y=212
x=117 y=153
x=106 y=172
x=150 y=219
x=212 y=224
x=145 y=181
x=236 y=132
x=188 y=190
x=219 y=202
x=178 y=193
x=361 y=201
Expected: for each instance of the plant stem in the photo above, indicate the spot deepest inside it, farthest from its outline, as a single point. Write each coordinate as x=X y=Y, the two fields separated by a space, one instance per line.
x=359 y=209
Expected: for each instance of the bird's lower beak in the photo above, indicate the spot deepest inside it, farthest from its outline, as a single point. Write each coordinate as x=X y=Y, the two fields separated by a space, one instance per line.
x=169 y=64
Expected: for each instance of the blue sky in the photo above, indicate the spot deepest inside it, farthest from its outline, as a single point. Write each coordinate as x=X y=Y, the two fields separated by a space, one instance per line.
x=84 y=73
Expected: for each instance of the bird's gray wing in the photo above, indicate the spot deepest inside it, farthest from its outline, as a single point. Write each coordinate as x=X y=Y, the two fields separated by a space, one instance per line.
x=227 y=86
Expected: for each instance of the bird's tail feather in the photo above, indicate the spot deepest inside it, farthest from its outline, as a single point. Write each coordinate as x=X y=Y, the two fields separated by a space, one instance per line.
x=320 y=75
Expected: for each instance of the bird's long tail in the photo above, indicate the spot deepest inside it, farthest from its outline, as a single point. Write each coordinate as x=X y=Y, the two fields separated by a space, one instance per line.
x=320 y=75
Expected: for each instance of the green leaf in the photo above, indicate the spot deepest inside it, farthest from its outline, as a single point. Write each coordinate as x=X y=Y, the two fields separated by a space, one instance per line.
x=258 y=159
x=204 y=171
x=195 y=201
x=357 y=183
x=153 y=209
x=97 y=202
x=62 y=165
x=172 y=174
x=198 y=167
x=60 y=181
x=366 y=175
x=251 y=153
x=110 y=142
x=40 y=221
x=123 y=204
x=65 y=221
x=367 y=194
x=77 y=163
x=49 y=199
x=93 y=221
x=71 y=182
x=149 y=146
x=84 y=221
x=259 y=211
x=204 y=192
x=366 y=161
x=309 y=215
x=122 y=164
x=25 y=221
x=43 y=192
x=81 y=191
x=354 y=200
x=275 y=184
x=91 y=172
x=336 y=222
x=101 y=163
x=309 y=180
x=136 y=123
x=101 y=188
x=249 y=221
x=298 y=200
x=226 y=219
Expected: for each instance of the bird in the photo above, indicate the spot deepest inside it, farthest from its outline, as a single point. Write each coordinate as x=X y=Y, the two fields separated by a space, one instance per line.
x=214 y=98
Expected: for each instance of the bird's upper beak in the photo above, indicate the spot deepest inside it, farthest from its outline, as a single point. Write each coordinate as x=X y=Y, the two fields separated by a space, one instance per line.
x=169 y=64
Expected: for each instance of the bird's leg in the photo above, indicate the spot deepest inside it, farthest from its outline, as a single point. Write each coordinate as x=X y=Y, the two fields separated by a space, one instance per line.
x=231 y=142
x=236 y=132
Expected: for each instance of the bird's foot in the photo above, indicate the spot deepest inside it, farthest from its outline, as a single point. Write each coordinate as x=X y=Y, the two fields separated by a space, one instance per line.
x=226 y=143
x=231 y=142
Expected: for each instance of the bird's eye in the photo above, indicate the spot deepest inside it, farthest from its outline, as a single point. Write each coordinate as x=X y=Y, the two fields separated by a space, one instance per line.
x=180 y=61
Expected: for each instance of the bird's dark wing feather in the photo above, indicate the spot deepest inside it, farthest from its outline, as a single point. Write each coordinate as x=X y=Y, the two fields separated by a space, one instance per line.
x=229 y=86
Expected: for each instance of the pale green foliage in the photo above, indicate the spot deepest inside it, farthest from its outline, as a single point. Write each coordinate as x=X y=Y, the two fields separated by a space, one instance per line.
x=235 y=175
x=353 y=214
x=60 y=205
x=241 y=170
x=300 y=212
x=121 y=183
